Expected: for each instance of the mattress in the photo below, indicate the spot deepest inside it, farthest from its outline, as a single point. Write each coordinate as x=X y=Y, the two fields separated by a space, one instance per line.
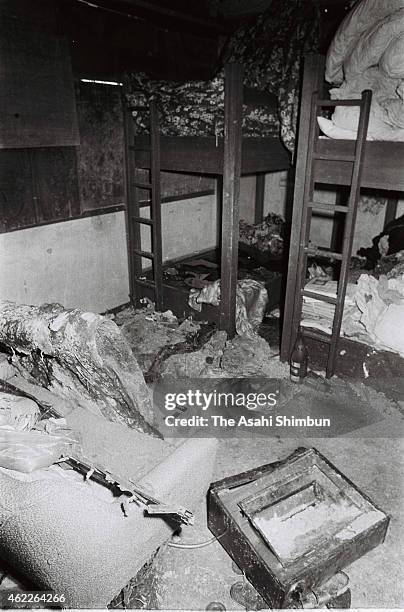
x=196 y=108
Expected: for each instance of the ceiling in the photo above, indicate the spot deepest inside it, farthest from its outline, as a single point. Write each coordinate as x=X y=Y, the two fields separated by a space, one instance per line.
x=176 y=39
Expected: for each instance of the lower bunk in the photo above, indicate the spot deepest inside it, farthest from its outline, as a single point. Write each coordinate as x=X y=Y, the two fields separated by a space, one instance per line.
x=186 y=276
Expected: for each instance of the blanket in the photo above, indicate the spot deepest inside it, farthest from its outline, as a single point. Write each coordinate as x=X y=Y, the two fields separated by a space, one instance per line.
x=367 y=53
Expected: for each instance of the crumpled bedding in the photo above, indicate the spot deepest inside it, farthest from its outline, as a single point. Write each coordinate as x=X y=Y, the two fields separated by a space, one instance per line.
x=196 y=108
x=251 y=303
x=373 y=310
x=266 y=236
x=379 y=315
x=367 y=53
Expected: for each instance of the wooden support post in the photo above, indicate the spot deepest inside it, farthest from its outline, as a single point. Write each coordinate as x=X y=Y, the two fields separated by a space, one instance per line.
x=231 y=192
x=259 y=198
x=312 y=81
x=155 y=177
x=131 y=204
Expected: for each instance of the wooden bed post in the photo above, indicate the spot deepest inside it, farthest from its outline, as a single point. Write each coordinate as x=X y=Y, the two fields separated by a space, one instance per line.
x=313 y=79
x=233 y=100
x=259 y=198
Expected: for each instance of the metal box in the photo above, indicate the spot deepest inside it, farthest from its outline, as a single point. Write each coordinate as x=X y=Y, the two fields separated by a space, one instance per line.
x=294 y=524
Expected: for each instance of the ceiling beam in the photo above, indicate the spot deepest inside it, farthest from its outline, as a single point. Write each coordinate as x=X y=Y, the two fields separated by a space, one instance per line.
x=154 y=8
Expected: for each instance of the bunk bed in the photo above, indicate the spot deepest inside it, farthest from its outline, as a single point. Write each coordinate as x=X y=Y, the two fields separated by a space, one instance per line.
x=382 y=169
x=249 y=81
x=227 y=158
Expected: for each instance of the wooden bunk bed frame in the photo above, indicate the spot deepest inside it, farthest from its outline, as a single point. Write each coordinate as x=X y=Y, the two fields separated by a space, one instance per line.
x=226 y=158
x=383 y=168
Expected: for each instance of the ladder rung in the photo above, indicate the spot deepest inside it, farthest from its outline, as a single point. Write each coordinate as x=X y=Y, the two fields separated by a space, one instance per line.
x=316 y=252
x=319 y=296
x=143 y=220
x=146 y=254
x=332 y=103
x=316 y=335
x=142 y=185
x=327 y=207
x=336 y=158
x=144 y=283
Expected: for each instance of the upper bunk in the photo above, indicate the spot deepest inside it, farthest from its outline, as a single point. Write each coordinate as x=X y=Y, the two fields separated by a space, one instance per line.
x=186 y=127
x=383 y=165
x=204 y=155
x=262 y=96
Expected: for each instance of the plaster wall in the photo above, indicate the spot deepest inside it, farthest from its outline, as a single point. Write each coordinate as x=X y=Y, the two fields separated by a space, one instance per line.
x=83 y=263
x=80 y=263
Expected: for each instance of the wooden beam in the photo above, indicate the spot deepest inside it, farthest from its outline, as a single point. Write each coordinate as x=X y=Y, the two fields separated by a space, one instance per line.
x=387 y=175
x=119 y=8
x=259 y=198
x=203 y=155
x=231 y=192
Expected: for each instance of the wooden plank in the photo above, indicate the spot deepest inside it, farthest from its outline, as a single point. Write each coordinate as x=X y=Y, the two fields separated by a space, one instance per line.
x=56 y=193
x=259 y=198
x=100 y=156
x=37 y=103
x=382 y=168
x=312 y=81
x=203 y=155
x=382 y=365
x=37 y=186
x=231 y=193
x=16 y=190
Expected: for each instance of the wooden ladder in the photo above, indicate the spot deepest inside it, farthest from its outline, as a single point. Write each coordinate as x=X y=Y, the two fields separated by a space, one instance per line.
x=350 y=210
x=134 y=218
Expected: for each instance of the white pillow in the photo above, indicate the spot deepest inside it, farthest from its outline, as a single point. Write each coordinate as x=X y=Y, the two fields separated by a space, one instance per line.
x=333 y=131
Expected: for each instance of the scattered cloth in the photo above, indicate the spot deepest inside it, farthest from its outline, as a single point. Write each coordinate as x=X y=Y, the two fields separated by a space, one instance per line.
x=245 y=357
x=251 y=303
x=148 y=332
x=266 y=236
x=388 y=242
x=380 y=312
x=198 y=364
x=373 y=311
x=28 y=451
x=29 y=442
x=18 y=412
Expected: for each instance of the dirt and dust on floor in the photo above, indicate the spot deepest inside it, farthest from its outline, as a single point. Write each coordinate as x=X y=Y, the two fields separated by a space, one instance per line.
x=193 y=570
